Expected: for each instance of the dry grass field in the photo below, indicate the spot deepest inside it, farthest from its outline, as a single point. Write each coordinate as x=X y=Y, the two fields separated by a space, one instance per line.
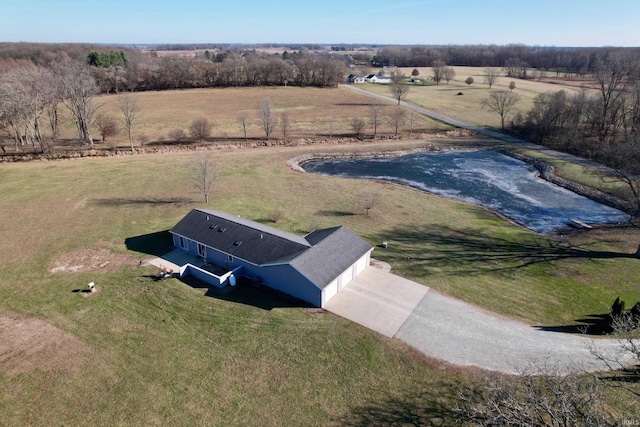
x=310 y=111
x=444 y=98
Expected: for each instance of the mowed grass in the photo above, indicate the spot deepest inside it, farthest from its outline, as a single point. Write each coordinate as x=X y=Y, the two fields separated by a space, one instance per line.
x=310 y=112
x=166 y=353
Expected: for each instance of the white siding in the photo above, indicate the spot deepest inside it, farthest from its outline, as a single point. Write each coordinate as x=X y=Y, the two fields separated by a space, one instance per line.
x=329 y=291
x=345 y=277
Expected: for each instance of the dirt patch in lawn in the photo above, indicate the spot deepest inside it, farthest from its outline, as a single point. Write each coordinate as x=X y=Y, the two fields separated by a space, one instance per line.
x=28 y=344
x=95 y=259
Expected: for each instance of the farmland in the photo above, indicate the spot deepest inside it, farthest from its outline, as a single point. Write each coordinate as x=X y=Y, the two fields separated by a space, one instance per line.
x=139 y=351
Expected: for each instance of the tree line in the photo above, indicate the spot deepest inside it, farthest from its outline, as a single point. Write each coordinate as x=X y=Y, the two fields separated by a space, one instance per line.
x=132 y=70
x=561 y=60
x=602 y=124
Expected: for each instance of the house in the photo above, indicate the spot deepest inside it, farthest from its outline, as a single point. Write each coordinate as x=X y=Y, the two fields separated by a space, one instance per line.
x=355 y=79
x=312 y=268
x=375 y=78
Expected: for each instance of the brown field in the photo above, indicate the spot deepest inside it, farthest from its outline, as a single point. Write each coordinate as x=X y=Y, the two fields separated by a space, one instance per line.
x=310 y=111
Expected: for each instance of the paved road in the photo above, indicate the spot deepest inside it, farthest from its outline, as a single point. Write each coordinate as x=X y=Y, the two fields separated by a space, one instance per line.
x=481 y=130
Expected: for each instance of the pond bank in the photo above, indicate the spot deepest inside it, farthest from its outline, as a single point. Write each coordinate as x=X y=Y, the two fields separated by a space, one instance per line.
x=545 y=171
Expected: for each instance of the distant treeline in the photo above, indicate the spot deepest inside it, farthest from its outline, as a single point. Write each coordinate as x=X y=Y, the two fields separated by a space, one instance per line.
x=567 y=60
x=131 y=69
x=128 y=69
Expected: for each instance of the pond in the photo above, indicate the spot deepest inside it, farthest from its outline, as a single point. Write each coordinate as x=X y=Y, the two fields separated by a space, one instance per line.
x=487 y=178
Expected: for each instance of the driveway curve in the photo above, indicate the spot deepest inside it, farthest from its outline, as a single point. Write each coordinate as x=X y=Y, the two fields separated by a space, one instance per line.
x=462 y=334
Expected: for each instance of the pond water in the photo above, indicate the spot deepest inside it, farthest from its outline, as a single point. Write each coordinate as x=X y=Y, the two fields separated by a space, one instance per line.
x=487 y=178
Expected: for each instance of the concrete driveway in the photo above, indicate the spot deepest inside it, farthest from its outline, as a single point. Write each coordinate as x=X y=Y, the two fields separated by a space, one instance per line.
x=457 y=332
x=378 y=300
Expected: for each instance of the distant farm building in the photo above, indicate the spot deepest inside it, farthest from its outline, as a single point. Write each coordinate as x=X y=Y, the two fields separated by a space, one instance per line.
x=375 y=78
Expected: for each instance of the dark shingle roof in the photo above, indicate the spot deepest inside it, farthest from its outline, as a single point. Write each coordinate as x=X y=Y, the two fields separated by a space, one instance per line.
x=249 y=240
x=320 y=256
x=333 y=251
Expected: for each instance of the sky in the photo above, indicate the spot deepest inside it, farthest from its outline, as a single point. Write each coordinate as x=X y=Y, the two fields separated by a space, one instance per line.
x=501 y=22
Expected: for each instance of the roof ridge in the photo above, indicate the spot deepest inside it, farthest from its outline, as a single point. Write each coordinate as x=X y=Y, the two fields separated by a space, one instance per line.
x=255 y=225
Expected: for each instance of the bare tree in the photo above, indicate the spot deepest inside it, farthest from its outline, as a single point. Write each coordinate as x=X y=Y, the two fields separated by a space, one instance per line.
x=512 y=85
x=624 y=160
x=469 y=80
x=79 y=89
x=204 y=176
x=449 y=74
x=412 y=122
x=200 y=129
x=438 y=69
x=540 y=397
x=285 y=124
x=612 y=76
x=130 y=110
x=177 y=135
x=267 y=117
x=397 y=118
x=369 y=201
x=243 y=119
x=332 y=126
x=501 y=102
x=276 y=215
x=376 y=114
x=106 y=125
x=357 y=124
x=25 y=93
x=398 y=87
x=491 y=75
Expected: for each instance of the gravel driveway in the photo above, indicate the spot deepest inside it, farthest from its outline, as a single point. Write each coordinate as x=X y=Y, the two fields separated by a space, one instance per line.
x=462 y=334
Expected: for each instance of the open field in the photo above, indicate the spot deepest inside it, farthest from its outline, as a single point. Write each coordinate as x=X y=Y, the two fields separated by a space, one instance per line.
x=444 y=98
x=156 y=353
x=310 y=111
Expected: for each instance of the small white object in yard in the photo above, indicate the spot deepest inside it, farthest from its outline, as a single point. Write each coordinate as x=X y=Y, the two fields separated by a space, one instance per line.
x=384 y=245
x=92 y=286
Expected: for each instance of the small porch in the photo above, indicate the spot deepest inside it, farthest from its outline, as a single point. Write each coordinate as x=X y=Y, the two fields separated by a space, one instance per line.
x=184 y=263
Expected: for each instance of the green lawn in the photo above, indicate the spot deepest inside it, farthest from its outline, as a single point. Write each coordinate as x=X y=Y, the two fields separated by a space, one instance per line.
x=164 y=353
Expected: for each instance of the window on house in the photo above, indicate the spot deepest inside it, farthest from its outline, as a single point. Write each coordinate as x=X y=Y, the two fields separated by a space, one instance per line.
x=184 y=243
x=230 y=258
x=202 y=251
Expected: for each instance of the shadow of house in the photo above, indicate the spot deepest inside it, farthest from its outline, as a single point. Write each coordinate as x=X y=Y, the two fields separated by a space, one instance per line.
x=155 y=244
x=476 y=253
x=248 y=292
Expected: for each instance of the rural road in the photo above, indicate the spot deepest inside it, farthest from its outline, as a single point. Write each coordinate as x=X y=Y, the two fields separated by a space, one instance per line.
x=479 y=129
